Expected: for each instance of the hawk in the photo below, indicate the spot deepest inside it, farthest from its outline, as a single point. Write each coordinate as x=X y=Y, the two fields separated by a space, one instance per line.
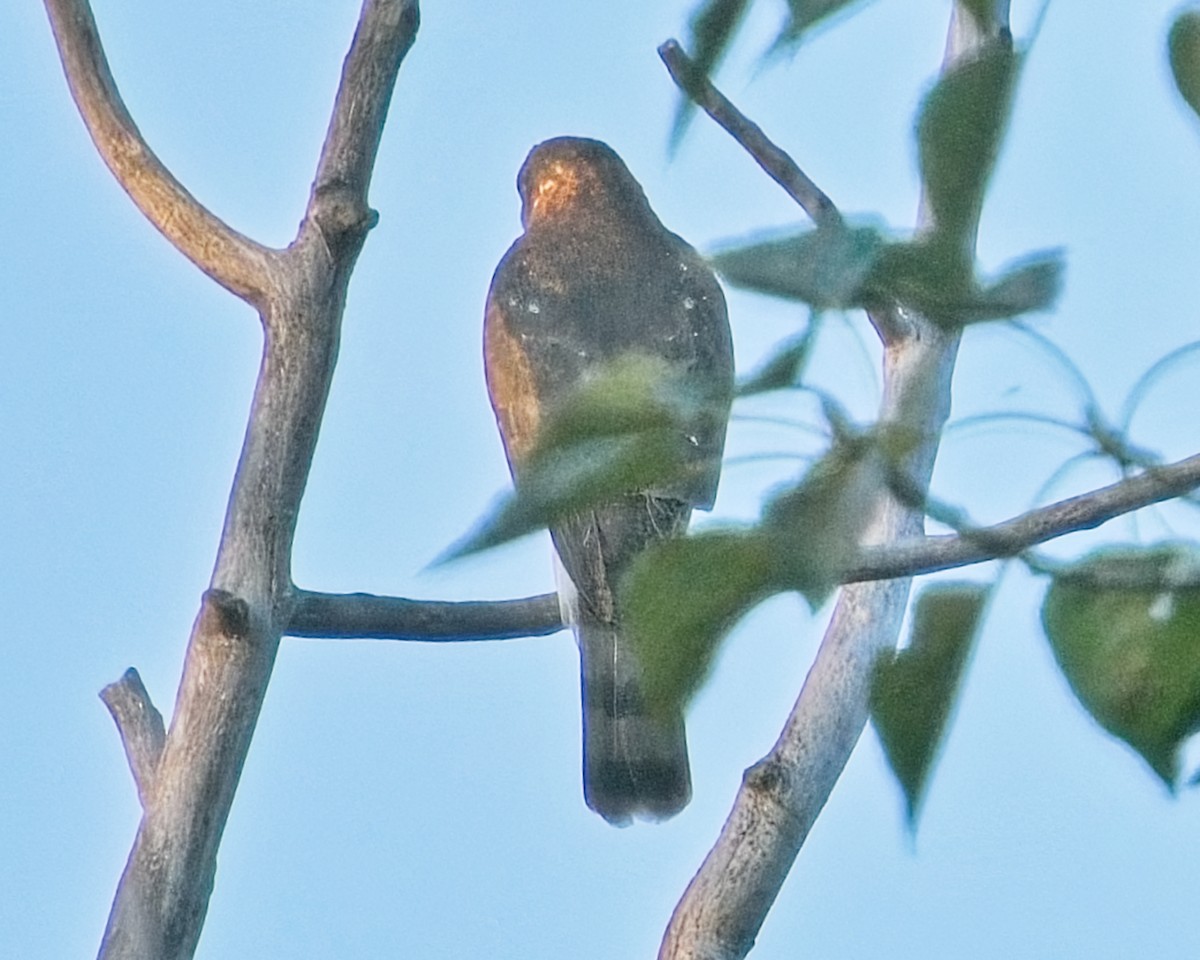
x=594 y=278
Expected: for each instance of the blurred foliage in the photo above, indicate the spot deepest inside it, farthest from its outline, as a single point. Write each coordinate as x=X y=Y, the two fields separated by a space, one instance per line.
x=785 y=367
x=841 y=266
x=712 y=28
x=1124 y=625
x=984 y=11
x=1183 y=50
x=960 y=127
x=814 y=526
x=681 y=599
x=828 y=267
x=714 y=24
x=624 y=429
x=844 y=267
x=803 y=15
x=916 y=688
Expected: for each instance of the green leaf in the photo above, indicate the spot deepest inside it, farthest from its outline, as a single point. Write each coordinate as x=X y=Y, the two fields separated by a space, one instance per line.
x=633 y=393
x=1183 y=50
x=841 y=267
x=825 y=267
x=804 y=14
x=1124 y=625
x=712 y=26
x=1029 y=286
x=681 y=598
x=784 y=368
x=929 y=277
x=623 y=430
x=915 y=690
x=574 y=478
x=959 y=132
x=814 y=527
x=933 y=279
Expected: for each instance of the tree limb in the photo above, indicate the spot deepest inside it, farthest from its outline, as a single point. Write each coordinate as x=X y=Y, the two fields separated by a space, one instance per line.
x=163 y=895
x=775 y=162
x=906 y=558
x=237 y=263
x=385 y=33
x=724 y=906
x=363 y=616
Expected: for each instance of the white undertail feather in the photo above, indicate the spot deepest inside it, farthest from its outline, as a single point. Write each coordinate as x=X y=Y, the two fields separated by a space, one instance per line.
x=568 y=596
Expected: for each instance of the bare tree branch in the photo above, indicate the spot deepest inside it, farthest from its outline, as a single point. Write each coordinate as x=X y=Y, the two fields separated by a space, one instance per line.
x=140 y=726
x=778 y=165
x=908 y=558
x=726 y=902
x=384 y=35
x=363 y=616
x=237 y=263
x=163 y=895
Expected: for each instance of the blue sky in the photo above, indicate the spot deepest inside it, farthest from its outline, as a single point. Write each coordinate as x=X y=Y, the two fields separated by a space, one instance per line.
x=426 y=800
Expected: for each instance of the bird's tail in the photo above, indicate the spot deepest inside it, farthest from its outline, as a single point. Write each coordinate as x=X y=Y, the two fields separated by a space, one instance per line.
x=634 y=764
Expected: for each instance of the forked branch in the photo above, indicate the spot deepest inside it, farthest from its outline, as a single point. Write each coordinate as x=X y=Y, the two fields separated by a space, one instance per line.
x=187 y=784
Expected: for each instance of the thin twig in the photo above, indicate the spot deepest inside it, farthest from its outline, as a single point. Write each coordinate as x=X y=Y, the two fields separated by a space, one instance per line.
x=368 y=617
x=140 y=726
x=234 y=261
x=1083 y=512
x=775 y=161
x=888 y=321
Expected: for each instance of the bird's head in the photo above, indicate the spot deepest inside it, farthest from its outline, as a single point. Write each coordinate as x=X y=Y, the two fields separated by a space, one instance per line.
x=568 y=176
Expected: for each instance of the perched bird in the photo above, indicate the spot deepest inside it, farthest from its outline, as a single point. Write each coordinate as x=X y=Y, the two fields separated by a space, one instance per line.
x=594 y=278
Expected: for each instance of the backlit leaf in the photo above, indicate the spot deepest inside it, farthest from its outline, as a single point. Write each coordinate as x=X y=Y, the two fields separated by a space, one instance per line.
x=1124 y=625
x=814 y=527
x=1183 y=50
x=805 y=14
x=825 y=267
x=713 y=25
x=915 y=689
x=933 y=279
x=681 y=598
x=783 y=368
x=984 y=11
x=626 y=429
x=959 y=132
x=1030 y=286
